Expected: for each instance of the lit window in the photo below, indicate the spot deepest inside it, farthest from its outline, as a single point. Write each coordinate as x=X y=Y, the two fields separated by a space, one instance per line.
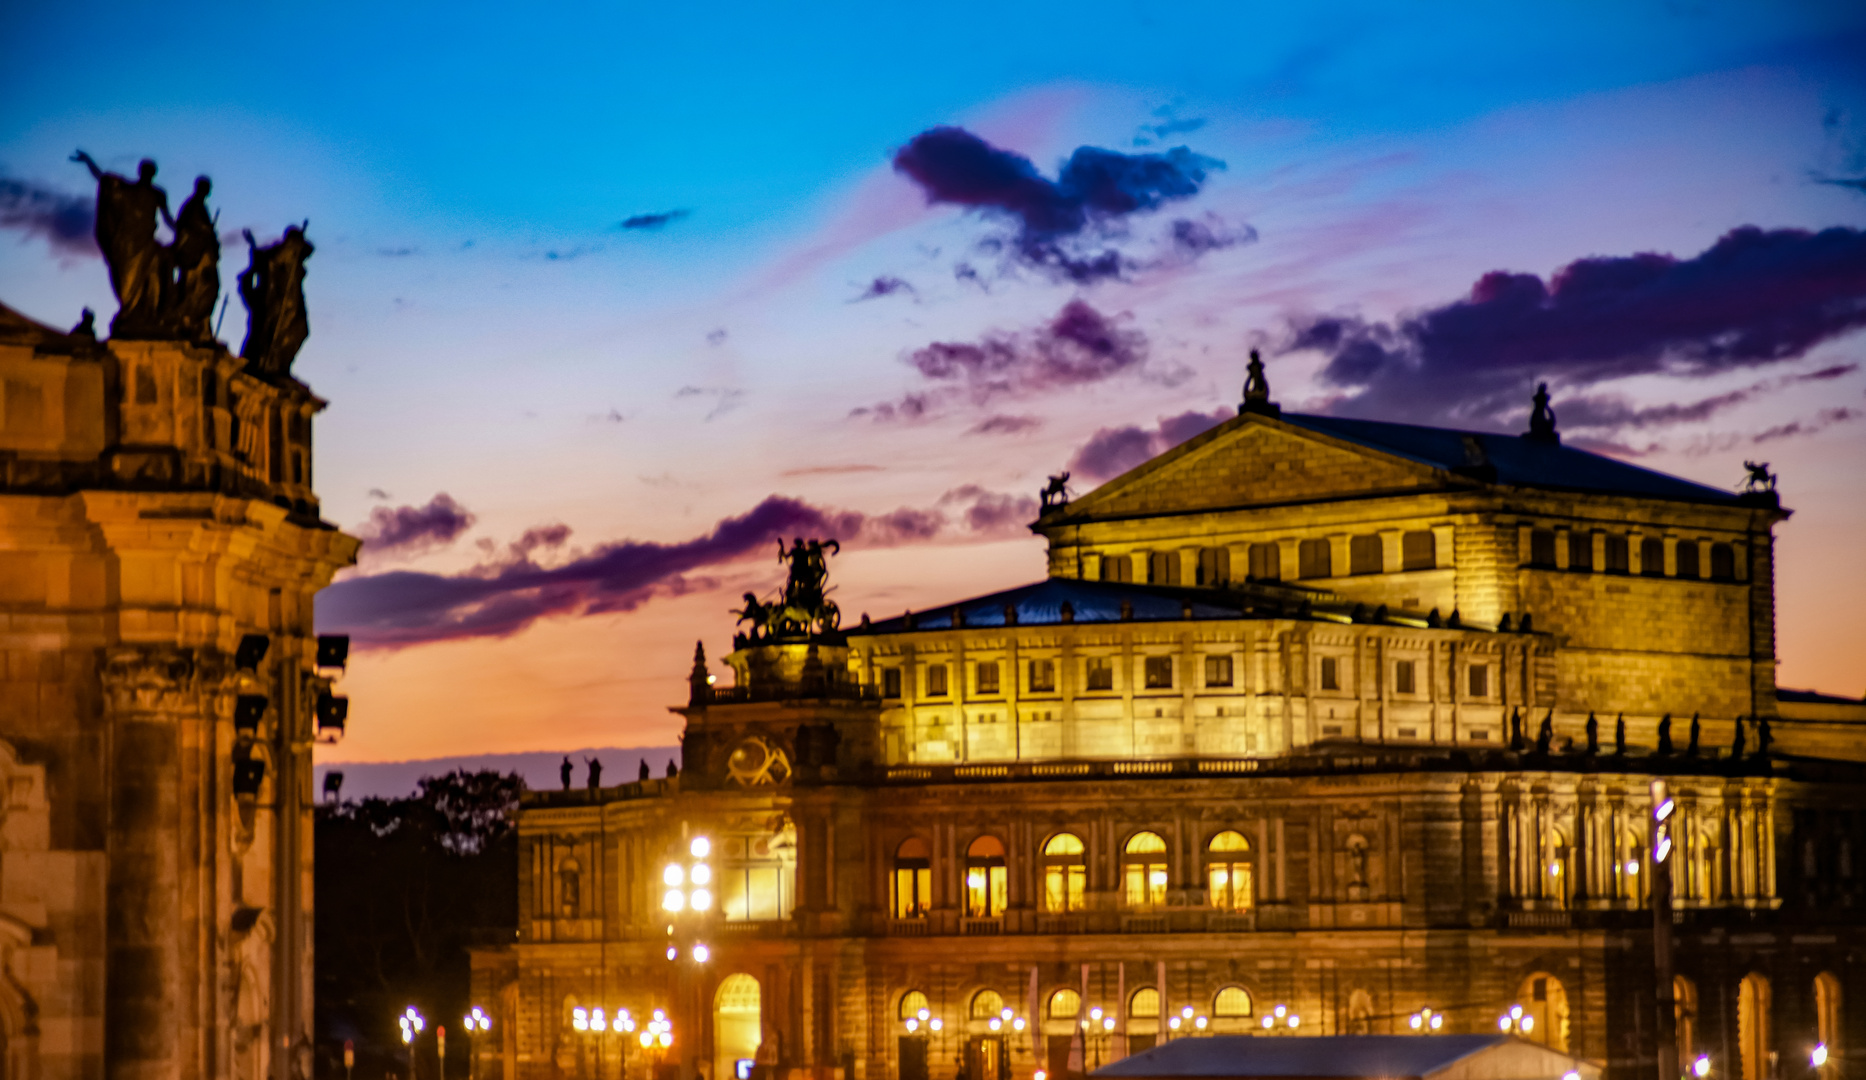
x=1403 y=673
x=1159 y=673
x=1042 y=676
x=1365 y=555
x=1331 y=673
x=1144 y=1004
x=756 y=878
x=1218 y=671
x=1143 y=865
x=1065 y=1004
x=1065 y=875
x=911 y=1004
x=913 y=880
x=1232 y=1001
x=987 y=676
x=985 y=878
x=986 y=1004
x=1419 y=551
x=1100 y=673
x=1228 y=872
x=936 y=680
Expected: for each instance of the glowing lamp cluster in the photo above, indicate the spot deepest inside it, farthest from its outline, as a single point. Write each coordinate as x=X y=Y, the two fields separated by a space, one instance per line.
x=1006 y=1018
x=1281 y=1016
x=1426 y=1020
x=1661 y=823
x=689 y=887
x=596 y=1021
x=413 y=1023
x=1095 y=1021
x=1516 y=1020
x=660 y=1032
x=924 y=1019
x=477 y=1020
x=1187 y=1018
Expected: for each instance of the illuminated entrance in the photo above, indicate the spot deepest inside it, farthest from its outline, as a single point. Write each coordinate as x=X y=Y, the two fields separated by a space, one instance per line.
x=736 y=1027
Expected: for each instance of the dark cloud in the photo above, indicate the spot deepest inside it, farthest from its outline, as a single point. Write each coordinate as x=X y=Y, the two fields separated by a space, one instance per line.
x=378 y=493
x=1005 y=425
x=1191 y=239
x=885 y=285
x=1754 y=298
x=1168 y=126
x=66 y=222
x=513 y=589
x=407 y=528
x=716 y=337
x=1057 y=222
x=1857 y=183
x=1826 y=418
x=653 y=221
x=1113 y=451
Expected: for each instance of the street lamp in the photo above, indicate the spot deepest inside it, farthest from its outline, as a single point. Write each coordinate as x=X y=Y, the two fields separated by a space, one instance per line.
x=412 y=1022
x=1516 y=1020
x=1426 y=1020
x=477 y=1020
x=1818 y=1057
x=1701 y=1067
x=1282 y=1016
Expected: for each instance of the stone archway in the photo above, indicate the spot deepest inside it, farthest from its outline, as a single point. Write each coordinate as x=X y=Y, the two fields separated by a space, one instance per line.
x=737 y=1026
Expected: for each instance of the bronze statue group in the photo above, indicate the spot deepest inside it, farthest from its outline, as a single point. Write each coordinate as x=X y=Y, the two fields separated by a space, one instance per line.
x=168 y=291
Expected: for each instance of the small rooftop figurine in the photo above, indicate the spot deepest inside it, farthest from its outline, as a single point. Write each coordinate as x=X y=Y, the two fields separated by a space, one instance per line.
x=1542 y=418
x=1257 y=388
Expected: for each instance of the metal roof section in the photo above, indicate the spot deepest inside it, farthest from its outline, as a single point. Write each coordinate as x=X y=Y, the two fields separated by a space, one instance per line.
x=1344 y=1057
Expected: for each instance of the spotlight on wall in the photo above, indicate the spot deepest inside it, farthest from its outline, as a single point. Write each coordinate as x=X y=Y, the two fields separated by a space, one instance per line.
x=333 y=787
x=248 y=774
x=251 y=651
x=248 y=710
x=332 y=710
x=333 y=650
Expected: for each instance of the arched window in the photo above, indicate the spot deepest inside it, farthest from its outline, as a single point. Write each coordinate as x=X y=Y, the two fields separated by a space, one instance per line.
x=1827 y=1021
x=1557 y=869
x=985 y=1005
x=1266 y=562
x=1685 y=1019
x=1753 y=1040
x=1144 y=1004
x=1228 y=872
x=1117 y=568
x=1419 y=551
x=1366 y=555
x=1064 y=1005
x=1214 y=566
x=1546 y=1001
x=1652 y=557
x=1143 y=866
x=911 y=1004
x=1628 y=867
x=1231 y=1002
x=1065 y=874
x=1313 y=559
x=985 y=878
x=913 y=879
x=1687 y=558
x=1163 y=568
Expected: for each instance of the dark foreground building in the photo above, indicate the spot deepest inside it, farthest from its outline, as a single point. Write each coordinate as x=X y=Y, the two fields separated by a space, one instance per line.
x=1313 y=724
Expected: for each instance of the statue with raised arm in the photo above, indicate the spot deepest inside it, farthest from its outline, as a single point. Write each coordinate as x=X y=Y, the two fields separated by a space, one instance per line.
x=1757 y=477
x=195 y=257
x=273 y=290
x=126 y=234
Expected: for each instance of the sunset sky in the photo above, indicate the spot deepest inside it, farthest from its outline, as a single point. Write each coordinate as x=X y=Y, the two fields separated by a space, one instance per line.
x=606 y=297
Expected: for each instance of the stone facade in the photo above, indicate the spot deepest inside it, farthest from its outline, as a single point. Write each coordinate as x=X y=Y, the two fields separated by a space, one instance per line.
x=1310 y=718
x=156 y=512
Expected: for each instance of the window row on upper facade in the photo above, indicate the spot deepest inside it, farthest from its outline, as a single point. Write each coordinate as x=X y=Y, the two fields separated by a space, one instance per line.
x=1614 y=553
x=1367 y=553
x=1096 y=675
x=1063 y=863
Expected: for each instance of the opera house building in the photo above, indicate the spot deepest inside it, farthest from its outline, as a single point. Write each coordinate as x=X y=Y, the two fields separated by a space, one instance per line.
x=1313 y=726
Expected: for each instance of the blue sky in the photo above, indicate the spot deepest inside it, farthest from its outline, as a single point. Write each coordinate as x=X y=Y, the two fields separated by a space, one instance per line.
x=486 y=329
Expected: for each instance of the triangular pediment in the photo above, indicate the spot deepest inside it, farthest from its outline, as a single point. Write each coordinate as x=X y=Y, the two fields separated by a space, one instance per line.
x=1253 y=460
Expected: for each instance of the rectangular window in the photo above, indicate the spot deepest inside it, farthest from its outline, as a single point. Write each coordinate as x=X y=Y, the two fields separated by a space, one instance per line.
x=1314 y=560
x=987 y=680
x=936 y=680
x=1065 y=887
x=1580 y=551
x=1146 y=884
x=1419 y=551
x=891 y=682
x=1100 y=673
x=1159 y=673
x=1117 y=568
x=1230 y=885
x=1403 y=671
x=1652 y=557
x=1687 y=558
x=1615 y=556
x=1163 y=568
x=1542 y=547
x=1723 y=562
x=1479 y=680
x=1214 y=566
x=1331 y=673
x=754 y=893
x=913 y=890
x=1365 y=555
x=986 y=890
x=1266 y=562
x=1042 y=676
x=1218 y=671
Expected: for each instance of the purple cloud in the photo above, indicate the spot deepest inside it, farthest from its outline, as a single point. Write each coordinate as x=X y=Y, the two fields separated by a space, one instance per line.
x=991 y=512
x=1113 y=451
x=1094 y=190
x=1753 y=298
x=66 y=222
x=406 y=528
x=1005 y=425
x=885 y=285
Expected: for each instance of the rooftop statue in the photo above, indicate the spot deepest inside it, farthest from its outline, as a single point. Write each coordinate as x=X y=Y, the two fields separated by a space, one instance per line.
x=805 y=607
x=1542 y=417
x=188 y=307
x=1759 y=477
x=126 y=234
x=1056 y=492
x=273 y=289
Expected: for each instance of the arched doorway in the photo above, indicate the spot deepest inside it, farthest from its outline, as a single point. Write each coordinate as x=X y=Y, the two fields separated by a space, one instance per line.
x=737 y=1029
x=1545 y=999
x=1752 y=1026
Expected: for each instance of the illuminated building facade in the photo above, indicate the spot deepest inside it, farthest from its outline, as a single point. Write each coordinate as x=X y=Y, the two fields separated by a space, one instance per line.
x=1315 y=725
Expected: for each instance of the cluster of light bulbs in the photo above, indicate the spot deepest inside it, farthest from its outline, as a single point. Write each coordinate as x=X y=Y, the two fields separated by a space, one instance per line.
x=1186 y=1016
x=1097 y=1020
x=597 y=1021
x=1516 y=1020
x=477 y=1020
x=1281 y=1015
x=1005 y=1016
x=412 y=1024
x=660 y=1032
x=689 y=886
x=924 y=1018
x=1426 y=1020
